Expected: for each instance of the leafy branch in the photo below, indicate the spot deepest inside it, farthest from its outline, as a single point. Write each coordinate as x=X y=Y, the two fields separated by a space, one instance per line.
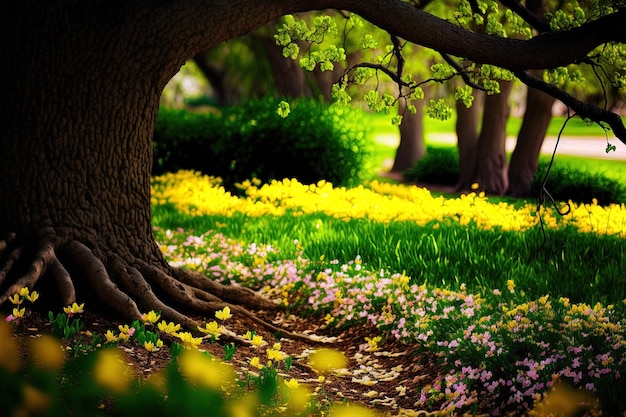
x=585 y=110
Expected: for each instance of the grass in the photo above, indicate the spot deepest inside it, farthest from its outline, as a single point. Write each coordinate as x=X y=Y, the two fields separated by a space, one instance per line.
x=510 y=317
x=518 y=316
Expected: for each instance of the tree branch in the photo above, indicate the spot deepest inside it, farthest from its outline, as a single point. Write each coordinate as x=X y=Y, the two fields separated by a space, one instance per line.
x=529 y=17
x=584 y=110
x=464 y=75
x=214 y=21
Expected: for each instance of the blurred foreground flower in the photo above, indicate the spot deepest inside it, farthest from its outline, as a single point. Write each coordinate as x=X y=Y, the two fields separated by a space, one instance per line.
x=47 y=352
x=326 y=360
x=201 y=369
x=111 y=371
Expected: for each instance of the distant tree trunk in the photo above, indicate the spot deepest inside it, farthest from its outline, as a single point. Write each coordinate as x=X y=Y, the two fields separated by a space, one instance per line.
x=467 y=138
x=217 y=78
x=525 y=157
x=289 y=77
x=490 y=169
x=411 y=148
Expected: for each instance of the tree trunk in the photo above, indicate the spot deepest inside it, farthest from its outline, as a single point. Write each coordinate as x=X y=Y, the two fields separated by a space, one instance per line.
x=75 y=166
x=467 y=138
x=525 y=156
x=411 y=148
x=491 y=167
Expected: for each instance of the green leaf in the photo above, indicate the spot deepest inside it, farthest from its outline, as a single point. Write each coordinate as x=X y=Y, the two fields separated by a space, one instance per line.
x=283 y=109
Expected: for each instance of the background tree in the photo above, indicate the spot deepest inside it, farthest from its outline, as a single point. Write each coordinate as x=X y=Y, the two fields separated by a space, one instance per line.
x=81 y=84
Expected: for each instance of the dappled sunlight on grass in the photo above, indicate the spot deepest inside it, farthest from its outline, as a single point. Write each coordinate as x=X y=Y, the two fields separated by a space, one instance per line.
x=193 y=194
x=502 y=350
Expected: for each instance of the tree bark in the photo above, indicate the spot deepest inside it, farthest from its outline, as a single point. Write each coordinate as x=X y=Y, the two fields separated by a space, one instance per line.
x=490 y=167
x=411 y=148
x=467 y=129
x=525 y=157
x=79 y=108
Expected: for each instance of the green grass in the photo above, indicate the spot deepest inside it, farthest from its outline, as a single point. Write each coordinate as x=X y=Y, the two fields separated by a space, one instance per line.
x=585 y=268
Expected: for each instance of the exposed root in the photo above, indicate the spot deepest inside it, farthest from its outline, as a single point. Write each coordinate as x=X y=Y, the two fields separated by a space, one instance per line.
x=142 y=285
x=108 y=293
x=6 y=240
x=63 y=281
x=230 y=293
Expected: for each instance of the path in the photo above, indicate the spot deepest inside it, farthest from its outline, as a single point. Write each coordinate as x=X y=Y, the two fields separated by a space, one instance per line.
x=591 y=147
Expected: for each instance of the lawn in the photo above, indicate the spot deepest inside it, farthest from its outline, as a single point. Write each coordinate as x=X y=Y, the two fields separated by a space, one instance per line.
x=516 y=308
x=479 y=283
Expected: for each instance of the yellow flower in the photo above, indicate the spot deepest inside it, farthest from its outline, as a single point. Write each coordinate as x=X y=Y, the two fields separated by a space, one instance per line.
x=24 y=292
x=111 y=371
x=15 y=299
x=275 y=355
x=150 y=317
x=188 y=339
x=510 y=284
x=33 y=296
x=9 y=348
x=201 y=369
x=223 y=314
x=153 y=347
x=373 y=343
x=212 y=329
x=110 y=337
x=248 y=335
x=257 y=340
x=74 y=309
x=256 y=362
x=351 y=410
x=47 y=352
x=169 y=328
x=18 y=312
x=292 y=383
x=325 y=360
x=329 y=319
x=475 y=186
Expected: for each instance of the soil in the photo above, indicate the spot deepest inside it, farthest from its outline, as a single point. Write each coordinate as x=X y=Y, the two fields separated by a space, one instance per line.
x=388 y=379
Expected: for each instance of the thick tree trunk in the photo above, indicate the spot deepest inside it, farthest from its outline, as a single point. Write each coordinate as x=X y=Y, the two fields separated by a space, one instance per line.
x=491 y=167
x=525 y=157
x=467 y=121
x=411 y=148
x=75 y=166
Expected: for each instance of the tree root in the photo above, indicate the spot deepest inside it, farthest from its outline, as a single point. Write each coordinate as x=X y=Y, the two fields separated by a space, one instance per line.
x=126 y=285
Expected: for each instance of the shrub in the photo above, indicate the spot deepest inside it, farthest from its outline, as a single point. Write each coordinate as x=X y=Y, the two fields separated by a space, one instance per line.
x=440 y=165
x=567 y=182
x=252 y=141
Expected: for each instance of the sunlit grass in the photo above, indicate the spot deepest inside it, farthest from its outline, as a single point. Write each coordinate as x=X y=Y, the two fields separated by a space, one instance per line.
x=471 y=280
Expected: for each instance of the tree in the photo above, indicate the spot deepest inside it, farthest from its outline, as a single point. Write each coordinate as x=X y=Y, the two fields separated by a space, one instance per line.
x=81 y=84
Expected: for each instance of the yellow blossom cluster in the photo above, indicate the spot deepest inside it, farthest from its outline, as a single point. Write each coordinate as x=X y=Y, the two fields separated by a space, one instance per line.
x=194 y=194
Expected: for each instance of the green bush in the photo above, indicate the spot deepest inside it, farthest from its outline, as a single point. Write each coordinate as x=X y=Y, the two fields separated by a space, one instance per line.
x=569 y=183
x=313 y=142
x=441 y=166
x=438 y=166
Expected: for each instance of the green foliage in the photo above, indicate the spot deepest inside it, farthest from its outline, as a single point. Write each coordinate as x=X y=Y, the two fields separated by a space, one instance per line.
x=440 y=165
x=63 y=327
x=439 y=110
x=570 y=183
x=265 y=139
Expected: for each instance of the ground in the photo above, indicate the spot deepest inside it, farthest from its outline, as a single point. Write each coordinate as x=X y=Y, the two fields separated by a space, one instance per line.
x=387 y=379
